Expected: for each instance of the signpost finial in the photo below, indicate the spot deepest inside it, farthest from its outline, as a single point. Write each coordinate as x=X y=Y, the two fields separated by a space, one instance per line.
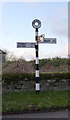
x=36 y=23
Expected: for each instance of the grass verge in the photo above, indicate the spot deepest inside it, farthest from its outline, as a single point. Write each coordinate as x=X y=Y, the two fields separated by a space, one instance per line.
x=19 y=102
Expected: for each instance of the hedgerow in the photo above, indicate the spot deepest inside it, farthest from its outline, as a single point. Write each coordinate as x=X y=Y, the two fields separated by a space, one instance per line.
x=8 y=78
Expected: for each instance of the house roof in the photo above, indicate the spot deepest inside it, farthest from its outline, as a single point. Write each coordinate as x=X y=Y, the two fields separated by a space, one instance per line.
x=1 y=51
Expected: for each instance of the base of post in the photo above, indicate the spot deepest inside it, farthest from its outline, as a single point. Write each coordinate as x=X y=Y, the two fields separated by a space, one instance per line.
x=37 y=91
x=37 y=87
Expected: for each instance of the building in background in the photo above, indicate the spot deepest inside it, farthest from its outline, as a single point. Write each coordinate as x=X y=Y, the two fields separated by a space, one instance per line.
x=2 y=56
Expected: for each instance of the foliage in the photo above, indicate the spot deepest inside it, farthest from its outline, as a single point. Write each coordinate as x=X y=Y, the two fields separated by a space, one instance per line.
x=54 y=61
x=8 y=78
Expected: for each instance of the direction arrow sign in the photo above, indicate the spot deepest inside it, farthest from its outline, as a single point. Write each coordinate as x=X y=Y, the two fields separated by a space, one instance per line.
x=49 y=40
x=25 y=45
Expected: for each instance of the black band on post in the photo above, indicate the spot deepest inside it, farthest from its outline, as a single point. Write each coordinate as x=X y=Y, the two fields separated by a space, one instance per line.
x=37 y=79
x=36 y=47
x=37 y=66
x=36 y=29
x=36 y=53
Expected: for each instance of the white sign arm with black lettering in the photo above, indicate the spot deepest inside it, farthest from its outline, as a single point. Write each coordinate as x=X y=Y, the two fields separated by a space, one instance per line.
x=25 y=45
x=49 y=40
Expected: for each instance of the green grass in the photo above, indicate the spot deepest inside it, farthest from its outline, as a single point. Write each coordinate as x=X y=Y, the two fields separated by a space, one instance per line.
x=28 y=101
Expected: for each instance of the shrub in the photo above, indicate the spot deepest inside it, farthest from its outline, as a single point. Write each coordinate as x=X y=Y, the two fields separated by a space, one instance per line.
x=8 y=78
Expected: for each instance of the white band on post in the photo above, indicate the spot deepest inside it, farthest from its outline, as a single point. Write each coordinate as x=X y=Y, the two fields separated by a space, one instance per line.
x=36 y=33
x=37 y=60
x=37 y=73
x=37 y=86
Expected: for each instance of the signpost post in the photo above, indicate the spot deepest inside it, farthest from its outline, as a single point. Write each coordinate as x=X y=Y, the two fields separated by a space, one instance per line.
x=37 y=24
x=39 y=39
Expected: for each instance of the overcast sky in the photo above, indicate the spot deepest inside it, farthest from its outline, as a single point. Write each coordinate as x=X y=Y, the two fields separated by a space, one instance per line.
x=17 y=20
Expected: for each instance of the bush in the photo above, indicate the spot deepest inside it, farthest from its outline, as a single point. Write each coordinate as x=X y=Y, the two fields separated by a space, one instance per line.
x=8 y=78
x=54 y=76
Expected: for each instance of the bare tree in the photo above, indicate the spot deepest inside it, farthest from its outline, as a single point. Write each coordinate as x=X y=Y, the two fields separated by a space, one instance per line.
x=10 y=56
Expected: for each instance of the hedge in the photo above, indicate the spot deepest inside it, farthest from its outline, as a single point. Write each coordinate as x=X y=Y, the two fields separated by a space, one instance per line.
x=8 y=78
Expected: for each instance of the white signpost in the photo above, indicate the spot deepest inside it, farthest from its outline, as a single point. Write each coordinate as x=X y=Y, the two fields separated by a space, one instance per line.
x=39 y=39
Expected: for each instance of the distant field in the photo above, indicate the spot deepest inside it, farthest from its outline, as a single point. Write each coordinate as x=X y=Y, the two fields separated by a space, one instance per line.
x=45 y=65
x=53 y=65
x=19 y=102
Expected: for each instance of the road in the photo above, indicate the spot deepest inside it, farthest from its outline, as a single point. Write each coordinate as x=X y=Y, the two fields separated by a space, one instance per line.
x=56 y=114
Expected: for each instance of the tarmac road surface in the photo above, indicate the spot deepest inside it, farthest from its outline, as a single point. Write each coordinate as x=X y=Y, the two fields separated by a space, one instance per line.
x=56 y=114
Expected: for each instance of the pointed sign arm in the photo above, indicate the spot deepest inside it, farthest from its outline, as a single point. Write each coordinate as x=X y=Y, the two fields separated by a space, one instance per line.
x=25 y=45
x=49 y=40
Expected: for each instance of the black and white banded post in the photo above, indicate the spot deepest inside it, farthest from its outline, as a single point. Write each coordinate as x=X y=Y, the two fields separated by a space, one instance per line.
x=37 y=24
x=37 y=61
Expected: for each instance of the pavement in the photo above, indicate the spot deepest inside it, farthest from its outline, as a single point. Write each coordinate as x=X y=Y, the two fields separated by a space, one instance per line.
x=57 y=114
